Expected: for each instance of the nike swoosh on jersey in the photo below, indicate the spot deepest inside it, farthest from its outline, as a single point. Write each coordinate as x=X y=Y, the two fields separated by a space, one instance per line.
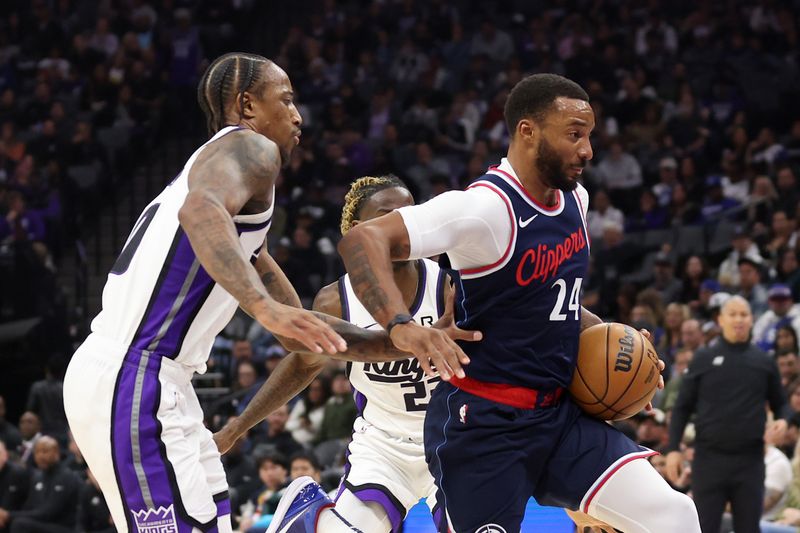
x=523 y=223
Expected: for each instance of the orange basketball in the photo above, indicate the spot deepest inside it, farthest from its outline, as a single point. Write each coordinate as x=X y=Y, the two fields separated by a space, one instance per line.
x=616 y=373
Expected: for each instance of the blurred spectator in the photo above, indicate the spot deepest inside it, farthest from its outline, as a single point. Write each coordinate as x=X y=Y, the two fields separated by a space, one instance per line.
x=674 y=316
x=750 y=286
x=782 y=312
x=652 y=430
x=787 y=366
x=691 y=335
x=241 y=472
x=20 y=223
x=52 y=497
x=620 y=173
x=784 y=234
x=600 y=212
x=664 y=280
x=715 y=203
x=247 y=385
x=93 y=513
x=786 y=339
x=743 y=246
x=307 y=414
x=30 y=428
x=787 y=270
x=46 y=399
x=682 y=359
x=277 y=436
x=695 y=272
x=9 y=433
x=13 y=485
x=787 y=189
x=777 y=480
x=667 y=179
x=650 y=215
x=340 y=411
x=272 y=470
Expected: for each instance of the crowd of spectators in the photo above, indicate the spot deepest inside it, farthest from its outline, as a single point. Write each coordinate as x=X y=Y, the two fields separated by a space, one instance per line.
x=694 y=192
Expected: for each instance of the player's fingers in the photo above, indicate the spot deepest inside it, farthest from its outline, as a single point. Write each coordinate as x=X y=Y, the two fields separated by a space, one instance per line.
x=425 y=364
x=645 y=333
x=660 y=382
x=661 y=365
x=324 y=335
x=452 y=355
x=455 y=333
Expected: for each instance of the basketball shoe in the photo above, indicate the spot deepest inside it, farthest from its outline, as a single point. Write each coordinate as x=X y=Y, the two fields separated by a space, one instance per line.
x=300 y=507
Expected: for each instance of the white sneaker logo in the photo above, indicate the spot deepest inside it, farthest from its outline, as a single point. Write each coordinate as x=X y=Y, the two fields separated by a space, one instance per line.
x=491 y=528
x=523 y=223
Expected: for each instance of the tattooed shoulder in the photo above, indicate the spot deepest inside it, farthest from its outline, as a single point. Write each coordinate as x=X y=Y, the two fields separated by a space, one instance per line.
x=257 y=158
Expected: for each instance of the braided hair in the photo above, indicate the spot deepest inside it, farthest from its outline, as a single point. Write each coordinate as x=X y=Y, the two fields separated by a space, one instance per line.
x=361 y=190
x=227 y=77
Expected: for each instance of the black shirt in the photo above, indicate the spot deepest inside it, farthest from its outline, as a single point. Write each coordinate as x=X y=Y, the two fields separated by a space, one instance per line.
x=727 y=386
x=52 y=497
x=13 y=486
x=93 y=513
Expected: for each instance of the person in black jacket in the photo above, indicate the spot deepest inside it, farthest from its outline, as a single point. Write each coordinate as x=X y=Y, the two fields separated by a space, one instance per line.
x=52 y=496
x=726 y=387
x=93 y=513
x=13 y=485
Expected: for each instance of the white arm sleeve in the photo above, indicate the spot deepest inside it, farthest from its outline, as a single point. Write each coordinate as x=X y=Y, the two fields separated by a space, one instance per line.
x=472 y=226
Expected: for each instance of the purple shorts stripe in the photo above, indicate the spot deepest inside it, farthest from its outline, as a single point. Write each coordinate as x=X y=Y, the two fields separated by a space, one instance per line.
x=146 y=477
x=380 y=495
x=223 y=507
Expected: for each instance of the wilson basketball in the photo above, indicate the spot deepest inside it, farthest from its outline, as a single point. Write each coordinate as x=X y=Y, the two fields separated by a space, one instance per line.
x=616 y=373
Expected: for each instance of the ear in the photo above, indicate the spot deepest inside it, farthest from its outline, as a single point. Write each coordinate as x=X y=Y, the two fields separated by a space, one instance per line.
x=244 y=104
x=528 y=130
x=354 y=224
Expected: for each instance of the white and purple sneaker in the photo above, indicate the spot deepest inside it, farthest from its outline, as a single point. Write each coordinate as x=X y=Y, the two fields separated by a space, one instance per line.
x=300 y=507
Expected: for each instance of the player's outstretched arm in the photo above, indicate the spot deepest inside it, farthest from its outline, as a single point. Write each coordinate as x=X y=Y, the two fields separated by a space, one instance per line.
x=362 y=345
x=292 y=375
x=238 y=168
x=368 y=250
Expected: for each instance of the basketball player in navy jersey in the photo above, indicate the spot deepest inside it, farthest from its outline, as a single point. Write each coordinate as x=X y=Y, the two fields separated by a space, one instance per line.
x=386 y=473
x=517 y=241
x=195 y=255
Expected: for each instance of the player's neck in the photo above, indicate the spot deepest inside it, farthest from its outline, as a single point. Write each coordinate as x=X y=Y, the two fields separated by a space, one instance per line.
x=527 y=173
x=406 y=276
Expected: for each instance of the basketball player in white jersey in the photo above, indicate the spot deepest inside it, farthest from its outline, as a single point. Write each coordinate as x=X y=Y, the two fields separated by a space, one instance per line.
x=385 y=473
x=196 y=253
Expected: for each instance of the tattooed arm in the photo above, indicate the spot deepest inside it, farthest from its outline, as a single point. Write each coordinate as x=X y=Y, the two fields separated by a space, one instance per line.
x=292 y=374
x=362 y=344
x=238 y=168
x=368 y=250
x=296 y=370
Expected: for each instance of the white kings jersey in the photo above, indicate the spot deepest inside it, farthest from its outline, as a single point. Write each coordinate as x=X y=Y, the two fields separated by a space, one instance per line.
x=393 y=396
x=157 y=296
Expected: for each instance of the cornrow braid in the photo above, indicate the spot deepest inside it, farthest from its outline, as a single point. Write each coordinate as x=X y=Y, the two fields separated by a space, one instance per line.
x=361 y=190
x=230 y=75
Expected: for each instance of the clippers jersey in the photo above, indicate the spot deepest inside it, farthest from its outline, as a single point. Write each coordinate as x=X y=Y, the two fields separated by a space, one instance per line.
x=158 y=298
x=527 y=304
x=393 y=396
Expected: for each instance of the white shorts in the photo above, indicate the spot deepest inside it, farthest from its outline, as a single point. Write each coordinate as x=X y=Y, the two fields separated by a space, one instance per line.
x=389 y=471
x=137 y=422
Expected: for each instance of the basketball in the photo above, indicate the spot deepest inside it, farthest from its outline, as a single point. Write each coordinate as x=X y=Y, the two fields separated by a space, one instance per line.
x=616 y=373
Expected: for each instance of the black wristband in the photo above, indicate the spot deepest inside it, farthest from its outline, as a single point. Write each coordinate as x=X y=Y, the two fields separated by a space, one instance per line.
x=398 y=319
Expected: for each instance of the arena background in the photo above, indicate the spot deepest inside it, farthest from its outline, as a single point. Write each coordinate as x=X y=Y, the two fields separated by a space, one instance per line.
x=697 y=148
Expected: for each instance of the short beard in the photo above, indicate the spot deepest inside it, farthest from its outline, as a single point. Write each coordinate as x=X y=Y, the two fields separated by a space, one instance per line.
x=551 y=168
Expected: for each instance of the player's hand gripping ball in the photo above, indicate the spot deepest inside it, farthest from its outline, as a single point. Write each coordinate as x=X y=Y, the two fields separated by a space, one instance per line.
x=617 y=372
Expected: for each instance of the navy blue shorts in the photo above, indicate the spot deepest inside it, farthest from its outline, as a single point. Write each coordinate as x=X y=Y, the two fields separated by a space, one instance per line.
x=488 y=458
